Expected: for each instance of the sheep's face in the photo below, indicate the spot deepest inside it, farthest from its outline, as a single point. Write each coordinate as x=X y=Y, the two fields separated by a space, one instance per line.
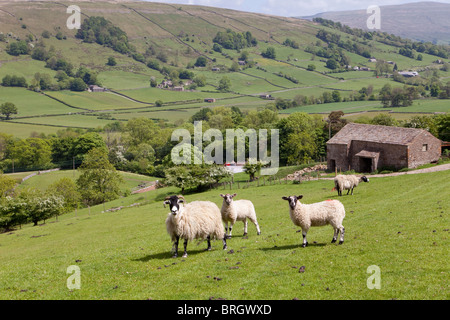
x=292 y=200
x=365 y=179
x=174 y=203
x=228 y=198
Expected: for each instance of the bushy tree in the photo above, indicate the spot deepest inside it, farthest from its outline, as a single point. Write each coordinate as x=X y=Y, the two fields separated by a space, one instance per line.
x=99 y=181
x=67 y=189
x=7 y=109
x=252 y=169
x=224 y=84
x=194 y=176
x=301 y=138
x=38 y=206
x=7 y=185
x=269 y=53
x=11 y=213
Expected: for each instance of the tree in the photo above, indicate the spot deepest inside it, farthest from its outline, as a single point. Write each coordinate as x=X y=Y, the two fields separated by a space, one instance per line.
x=7 y=109
x=336 y=95
x=141 y=130
x=200 y=80
x=194 y=176
x=301 y=138
x=332 y=64
x=99 y=181
x=17 y=48
x=78 y=84
x=384 y=119
x=311 y=67
x=201 y=62
x=224 y=84
x=11 y=213
x=67 y=189
x=31 y=153
x=335 y=122
x=7 y=185
x=269 y=53
x=252 y=169
x=39 y=206
x=111 y=61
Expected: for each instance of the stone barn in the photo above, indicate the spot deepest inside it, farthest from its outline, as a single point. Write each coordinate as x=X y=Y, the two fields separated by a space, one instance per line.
x=366 y=148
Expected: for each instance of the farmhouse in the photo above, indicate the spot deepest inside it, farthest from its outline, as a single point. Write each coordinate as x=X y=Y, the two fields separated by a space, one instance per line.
x=366 y=148
x=210 y=100
x=95 y=88
x=408 y=74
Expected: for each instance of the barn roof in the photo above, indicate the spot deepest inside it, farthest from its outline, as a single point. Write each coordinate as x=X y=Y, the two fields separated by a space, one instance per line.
x=375 y=133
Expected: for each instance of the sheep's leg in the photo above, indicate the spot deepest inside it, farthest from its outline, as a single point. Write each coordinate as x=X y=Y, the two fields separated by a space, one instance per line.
x=336 y=232
x=352 y=191
x=185 y=247
x=255 y=221
x=231 y=228
x=226 y=228
x=341 y=240
x=245 y=226
x=305 y=243
x=224 y=240
x=209 y=243
x=175 y=247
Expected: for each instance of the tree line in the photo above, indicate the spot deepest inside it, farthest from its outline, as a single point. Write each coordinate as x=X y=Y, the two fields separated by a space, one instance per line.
x=144 y=146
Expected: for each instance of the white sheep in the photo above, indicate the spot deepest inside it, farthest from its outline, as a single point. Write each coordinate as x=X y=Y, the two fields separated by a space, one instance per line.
x=317 y=215
x=196 y=220
x=347 y=182
x=239 y=210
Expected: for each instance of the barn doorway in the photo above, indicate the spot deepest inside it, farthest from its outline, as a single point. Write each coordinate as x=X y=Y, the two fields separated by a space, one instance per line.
x=332 y=167
x=365 y=164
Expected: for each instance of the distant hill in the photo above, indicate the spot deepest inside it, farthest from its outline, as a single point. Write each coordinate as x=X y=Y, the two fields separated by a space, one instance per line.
x=133 y=49
x=421 y=21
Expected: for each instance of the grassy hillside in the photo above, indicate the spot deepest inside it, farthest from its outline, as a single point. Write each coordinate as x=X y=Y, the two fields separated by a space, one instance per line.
x=421 y=21
x=399 y=224
x=131 y=181
x=181 y=34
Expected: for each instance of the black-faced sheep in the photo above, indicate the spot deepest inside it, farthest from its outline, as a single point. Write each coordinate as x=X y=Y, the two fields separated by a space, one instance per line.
x=316 y=215
x=196 y=220
x=347 y=182
x=239 y=210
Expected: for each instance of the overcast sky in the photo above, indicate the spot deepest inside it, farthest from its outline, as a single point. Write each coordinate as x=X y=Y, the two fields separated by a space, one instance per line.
x=292 y=8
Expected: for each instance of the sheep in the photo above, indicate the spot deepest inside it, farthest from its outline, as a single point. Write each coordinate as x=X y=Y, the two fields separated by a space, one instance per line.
x=239 y=210
x=196 y=220
x=317 y=215
x=347 y=182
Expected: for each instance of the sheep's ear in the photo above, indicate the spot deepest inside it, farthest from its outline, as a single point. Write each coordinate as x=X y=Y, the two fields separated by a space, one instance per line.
x=222 y=195
x=166 y=202
x=285 y=198
x=299 y=197
x=234 y=195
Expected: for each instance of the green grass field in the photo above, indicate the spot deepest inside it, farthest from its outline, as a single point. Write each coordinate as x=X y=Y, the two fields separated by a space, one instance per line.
x=131 y=181
x=399 y=224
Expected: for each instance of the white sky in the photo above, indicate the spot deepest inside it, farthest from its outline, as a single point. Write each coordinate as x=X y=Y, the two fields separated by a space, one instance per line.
x=292 y=8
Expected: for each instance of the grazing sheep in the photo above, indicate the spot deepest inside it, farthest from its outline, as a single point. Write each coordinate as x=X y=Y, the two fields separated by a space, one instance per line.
x=196 y=220
x=347 y=182
x=317 y=215
x=239 y=210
